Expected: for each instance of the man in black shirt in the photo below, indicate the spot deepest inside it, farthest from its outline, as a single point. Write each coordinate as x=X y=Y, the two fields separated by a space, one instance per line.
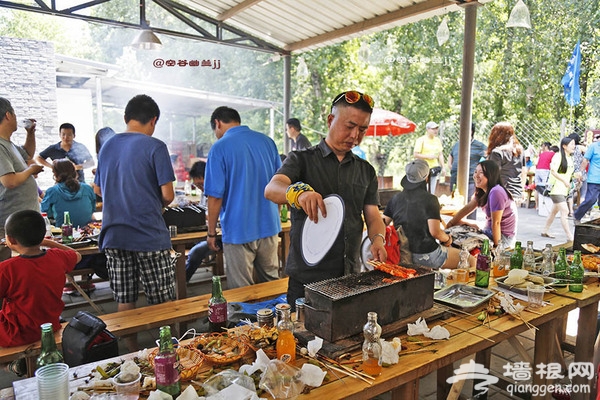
x=331 y=168
x=293 y=130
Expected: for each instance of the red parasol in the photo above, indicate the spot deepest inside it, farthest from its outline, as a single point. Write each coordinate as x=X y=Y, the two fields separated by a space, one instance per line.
x=389 y=123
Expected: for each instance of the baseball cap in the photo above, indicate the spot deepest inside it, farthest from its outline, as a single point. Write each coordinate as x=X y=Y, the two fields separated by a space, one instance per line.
x=416 y=173
x=432 y=125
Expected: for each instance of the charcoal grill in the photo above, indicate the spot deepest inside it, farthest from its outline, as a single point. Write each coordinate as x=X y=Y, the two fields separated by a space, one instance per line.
x=337 y=308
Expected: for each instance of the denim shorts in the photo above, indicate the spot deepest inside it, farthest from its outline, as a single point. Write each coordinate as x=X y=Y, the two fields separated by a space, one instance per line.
x=435 y=259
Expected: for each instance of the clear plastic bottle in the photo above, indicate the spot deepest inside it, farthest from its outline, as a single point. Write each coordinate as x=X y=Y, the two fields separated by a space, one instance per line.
x=464 y=258
x=547 y=260
x=49 y=354
x=67 y=229
x=371 y=349
x=217 y=307
x=576 y=273
x=286 y=343
x=48 y=226
x=187 y=188
x=166 y=363
x=529 y=257
x=482 y=273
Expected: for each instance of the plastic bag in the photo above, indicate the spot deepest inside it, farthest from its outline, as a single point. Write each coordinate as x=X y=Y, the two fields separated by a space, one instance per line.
x=224 y=379
x=281 y=380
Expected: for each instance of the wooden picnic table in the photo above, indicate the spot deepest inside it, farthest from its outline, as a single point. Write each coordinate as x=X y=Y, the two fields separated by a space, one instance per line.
x=468 y=336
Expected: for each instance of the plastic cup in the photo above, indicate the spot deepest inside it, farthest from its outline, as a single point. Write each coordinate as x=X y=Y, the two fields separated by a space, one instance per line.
x=535 y=295
x=461 y=275
x=53 y=382
x=499 y=268
x=128 y=390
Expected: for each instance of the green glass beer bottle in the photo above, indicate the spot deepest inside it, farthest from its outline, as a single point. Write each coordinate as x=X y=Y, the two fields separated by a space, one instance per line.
x=576 y=273
x=49 y=354
x=561 y=268
x=166 y=363
x=482 y=273
x=516 y=259
x=67 y=229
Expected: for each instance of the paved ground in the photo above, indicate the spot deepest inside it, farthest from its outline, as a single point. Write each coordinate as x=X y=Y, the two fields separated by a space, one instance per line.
x=529 y=228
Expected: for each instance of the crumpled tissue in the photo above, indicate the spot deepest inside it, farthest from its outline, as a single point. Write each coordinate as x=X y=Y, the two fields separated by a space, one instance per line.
x=389 y=353
x=314 y=346
x=420 y=328
x=234 y=391
x=438 y=333
x=159 y=395
x=312 y=375
x=262 y=360
x=188 y=394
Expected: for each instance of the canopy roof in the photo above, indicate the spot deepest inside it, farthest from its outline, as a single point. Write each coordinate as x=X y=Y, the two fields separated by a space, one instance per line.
x=278 y=26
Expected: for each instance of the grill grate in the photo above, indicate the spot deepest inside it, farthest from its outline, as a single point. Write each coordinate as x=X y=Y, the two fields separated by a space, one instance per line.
x=351 y=285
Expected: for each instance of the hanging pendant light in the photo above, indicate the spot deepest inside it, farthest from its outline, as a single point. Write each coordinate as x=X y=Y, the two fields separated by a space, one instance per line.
x=443 y=32
x=519 y=16
x=146 y=40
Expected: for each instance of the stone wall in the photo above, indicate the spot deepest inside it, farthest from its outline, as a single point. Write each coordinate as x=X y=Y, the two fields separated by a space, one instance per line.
x=28 y=80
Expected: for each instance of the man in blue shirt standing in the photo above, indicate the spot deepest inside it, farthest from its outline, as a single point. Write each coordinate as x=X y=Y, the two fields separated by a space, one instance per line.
x=591 y=158
x=135 y=179
x=240 y=164
x=67 y=148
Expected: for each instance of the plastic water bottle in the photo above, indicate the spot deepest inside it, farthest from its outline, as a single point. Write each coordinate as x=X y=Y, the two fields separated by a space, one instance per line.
x=547 y=260
x=187 y=188
x=529 y=257
x=48 y=226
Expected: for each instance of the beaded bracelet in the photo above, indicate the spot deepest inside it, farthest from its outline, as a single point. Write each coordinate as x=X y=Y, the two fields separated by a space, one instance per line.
x=294 y=191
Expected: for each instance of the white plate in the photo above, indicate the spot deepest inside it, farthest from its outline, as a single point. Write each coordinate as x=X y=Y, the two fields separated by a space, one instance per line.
x=318 y=238
x=365 y=253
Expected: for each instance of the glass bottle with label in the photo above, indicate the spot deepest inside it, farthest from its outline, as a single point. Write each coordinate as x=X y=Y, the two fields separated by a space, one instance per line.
x=371 y=349
x=516 y=259
x=547 y=260
x=561 y=268
x=529 y=257
x=576 y=272
x=166 y=363
x=286 y=343
x=67 y=229
x=217 y=307
x=49 y=354
x=48 y=226
x=482 y=273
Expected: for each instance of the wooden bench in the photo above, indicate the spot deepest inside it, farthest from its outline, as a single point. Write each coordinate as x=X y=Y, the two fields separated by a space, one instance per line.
x=123 y=323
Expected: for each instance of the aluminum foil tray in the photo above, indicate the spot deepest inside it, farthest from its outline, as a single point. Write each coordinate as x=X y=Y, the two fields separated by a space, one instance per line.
x=462 y=296
x=500 y=282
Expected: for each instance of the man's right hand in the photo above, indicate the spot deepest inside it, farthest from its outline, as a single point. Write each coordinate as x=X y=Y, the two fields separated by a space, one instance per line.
x=311 y=202
x=35 y=169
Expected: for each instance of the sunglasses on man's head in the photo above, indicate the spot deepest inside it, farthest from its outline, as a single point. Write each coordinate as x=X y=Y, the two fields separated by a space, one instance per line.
x=352 y=97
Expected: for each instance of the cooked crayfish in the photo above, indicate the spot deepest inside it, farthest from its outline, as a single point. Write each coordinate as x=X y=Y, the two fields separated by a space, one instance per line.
x=393 y=269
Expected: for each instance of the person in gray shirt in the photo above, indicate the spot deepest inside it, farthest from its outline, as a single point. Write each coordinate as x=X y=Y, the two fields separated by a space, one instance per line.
x=18 y=188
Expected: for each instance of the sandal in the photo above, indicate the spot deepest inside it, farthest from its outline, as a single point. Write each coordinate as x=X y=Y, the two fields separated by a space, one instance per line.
x=18 y=367
x=548 y=236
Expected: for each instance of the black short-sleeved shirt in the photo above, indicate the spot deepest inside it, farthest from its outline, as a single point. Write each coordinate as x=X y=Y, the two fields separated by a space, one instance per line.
x=412 y=209
x=355 y=181
x=301 y=143
x=78 y=153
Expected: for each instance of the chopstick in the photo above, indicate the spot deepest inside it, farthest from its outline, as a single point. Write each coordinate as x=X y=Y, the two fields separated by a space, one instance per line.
x=345 y=370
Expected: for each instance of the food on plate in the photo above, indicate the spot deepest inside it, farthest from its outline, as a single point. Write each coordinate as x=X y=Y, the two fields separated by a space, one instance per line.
x=590 y=262
x=149 y=383
x=220 y=348
x=521 y=278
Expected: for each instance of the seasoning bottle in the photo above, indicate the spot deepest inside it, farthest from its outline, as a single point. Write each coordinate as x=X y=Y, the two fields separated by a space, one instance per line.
x=284 y=213
x=482 y=273
x=48 y=226
x=67 y=229
x=371 y=349
x=576 y=273
x=286 y=344
x=166 y=363
x=547 y=262
x=516 y=259
x=49 y=354
x=529 y=257
x=217 y=307
x=561 y=268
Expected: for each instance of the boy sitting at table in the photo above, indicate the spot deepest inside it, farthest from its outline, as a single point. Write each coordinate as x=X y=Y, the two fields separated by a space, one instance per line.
x=31 y=284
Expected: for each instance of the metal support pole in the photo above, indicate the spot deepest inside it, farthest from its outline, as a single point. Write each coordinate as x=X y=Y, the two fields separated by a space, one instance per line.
x=464 y=147
x=287 y=76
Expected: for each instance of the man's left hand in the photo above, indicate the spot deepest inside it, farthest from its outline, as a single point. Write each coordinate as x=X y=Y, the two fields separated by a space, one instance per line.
x=378 y=251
